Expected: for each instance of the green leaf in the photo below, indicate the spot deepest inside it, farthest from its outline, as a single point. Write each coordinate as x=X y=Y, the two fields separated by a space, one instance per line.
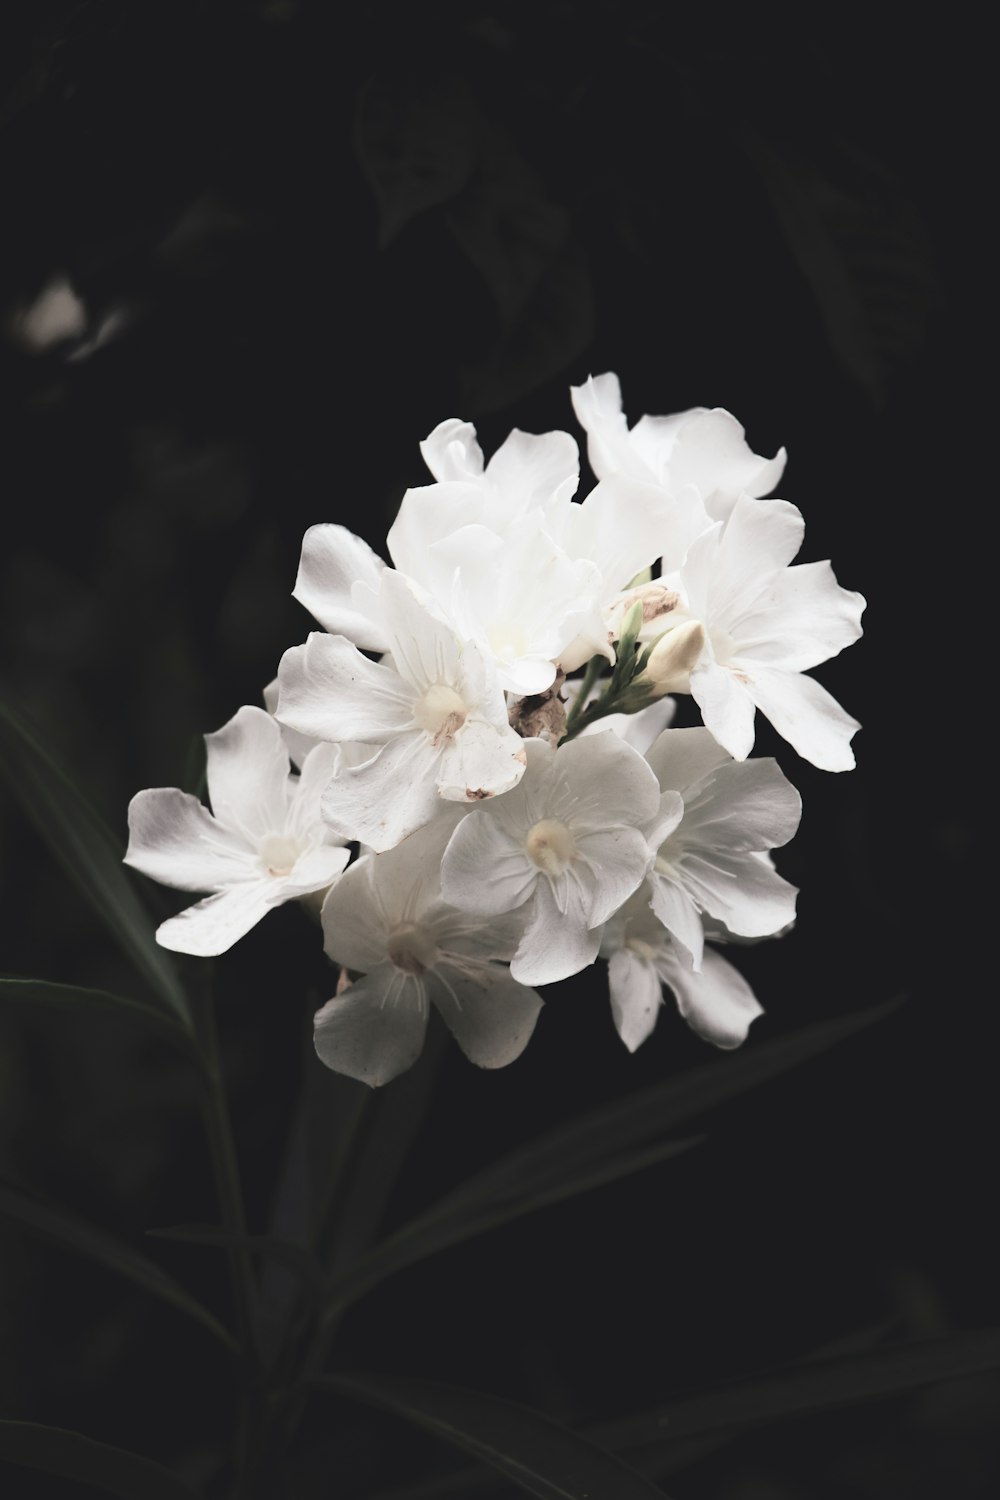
x=87 y=851
x=70 y=1455
x=602 y=1146
x=534 y=1452
x=821 y=1385
x=65 y=1229
x=294 y=1257
x=75 y=999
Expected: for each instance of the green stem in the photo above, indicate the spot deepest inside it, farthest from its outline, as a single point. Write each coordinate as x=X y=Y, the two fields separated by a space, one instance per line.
x=592 y=673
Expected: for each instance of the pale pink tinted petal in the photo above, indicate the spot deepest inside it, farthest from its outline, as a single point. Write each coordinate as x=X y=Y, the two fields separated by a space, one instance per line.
x=248 y=773
x=802 y=620
x=484 y=870
x=741 y=890
x=480 y=762
x=489 y=1014
x=387 y=798
x=717 y=1003
x=726 y=706
x=635 y=996
x=682 y=757
x=557 y=941
x=354 y=921
x=618 y=859
x=374 y=1030
x=679 y=915
x=529 y=468
x=807 y=716
x=749 y=805
x=327 y=689
x=212 y=926
x=452 y=451
x=175 y=840
x=333 y=560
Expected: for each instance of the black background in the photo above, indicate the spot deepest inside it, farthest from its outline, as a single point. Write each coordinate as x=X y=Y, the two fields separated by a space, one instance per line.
x=327 y=234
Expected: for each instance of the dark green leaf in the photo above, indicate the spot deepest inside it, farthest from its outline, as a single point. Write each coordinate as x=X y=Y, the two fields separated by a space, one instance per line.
x=73 y=998
x=534 y=1452
x=65 y=1229
x=70 y=1455
x=87 y=851
x=607 y=1144
x=294 y=1257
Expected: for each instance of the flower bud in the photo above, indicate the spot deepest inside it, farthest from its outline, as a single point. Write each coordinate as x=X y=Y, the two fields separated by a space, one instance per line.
x=672 y=658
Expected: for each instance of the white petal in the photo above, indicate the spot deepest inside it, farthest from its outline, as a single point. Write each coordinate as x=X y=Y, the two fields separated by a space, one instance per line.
x=807 y=716
x=452 y=451
x=741 y=890
x=387 y=798
x=530 y=469
x=327 y=689
x=618 y=859
x=424 y=649
x=667 y=819
x=681 y=758
x=635 y=996
x=803 y=619
x=557 y=941
x=297 y=745
x=312 y=871
x=759 y=541
x=747 y=805
x=598 y=407
x=489 y=1014
x=726 y=706
x=248 y=773
x=333 y=560
x=305 y=817
x=717 y=1003
x=675 y=909
x=354 y=921
x=480 y=762
x=426 y=514
x=485 y=870
x=711 y=452
x=611 y=784
x=374 y=1030
x=175 y=840
x=621 y=527
x=212 y=926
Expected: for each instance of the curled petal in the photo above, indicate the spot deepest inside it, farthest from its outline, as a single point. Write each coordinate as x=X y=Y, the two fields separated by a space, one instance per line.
x=212 y=926
x=675 y=908
x=726 y=706
x=334 y=559
x=481 y=761
x=717 y=1003
x=452 y=451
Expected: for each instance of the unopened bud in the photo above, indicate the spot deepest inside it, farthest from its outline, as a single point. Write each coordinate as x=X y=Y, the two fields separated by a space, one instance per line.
x=672 y=658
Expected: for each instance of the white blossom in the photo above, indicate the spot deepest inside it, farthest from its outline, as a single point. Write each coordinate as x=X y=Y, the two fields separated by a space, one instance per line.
x=701 y=448
x=564 y=848
x=717 y=1002
x=386 y=920
x=263 y=843
x=437 y=714
x=711 y=853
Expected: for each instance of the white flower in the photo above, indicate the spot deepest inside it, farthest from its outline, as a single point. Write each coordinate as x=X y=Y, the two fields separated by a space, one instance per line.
x=702 y=448
x=767 y=623
x=263 y=843
x=711 y=855
x=385 y=919
x=352 y=752
x=564 y=848
x=437 y=713
x=528 y=470
x=716 y=1002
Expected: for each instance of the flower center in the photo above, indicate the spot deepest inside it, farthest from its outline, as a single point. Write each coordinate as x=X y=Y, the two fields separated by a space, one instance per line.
x=441 y=712
x=278 y=853
x=550 y=846
x=411 y=949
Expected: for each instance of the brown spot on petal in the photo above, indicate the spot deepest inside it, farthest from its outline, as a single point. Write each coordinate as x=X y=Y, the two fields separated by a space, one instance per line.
x=477 y=795
x=448 y=729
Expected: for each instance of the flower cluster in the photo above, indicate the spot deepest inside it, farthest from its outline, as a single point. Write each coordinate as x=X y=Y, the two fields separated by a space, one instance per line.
x=515 y=823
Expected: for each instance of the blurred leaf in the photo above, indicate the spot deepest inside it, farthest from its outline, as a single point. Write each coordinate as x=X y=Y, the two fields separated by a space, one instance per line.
x=863 y=252
x=521 y=243
x=305 y=1266
x=415 y=137
x=602 y=1146
x=87 y=851
x=531 y=1450
x=70 y=1455
x=66 y=1230
x=77 y=1000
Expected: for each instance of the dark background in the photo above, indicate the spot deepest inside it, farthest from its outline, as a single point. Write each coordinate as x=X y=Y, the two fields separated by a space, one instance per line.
x=318 y=235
